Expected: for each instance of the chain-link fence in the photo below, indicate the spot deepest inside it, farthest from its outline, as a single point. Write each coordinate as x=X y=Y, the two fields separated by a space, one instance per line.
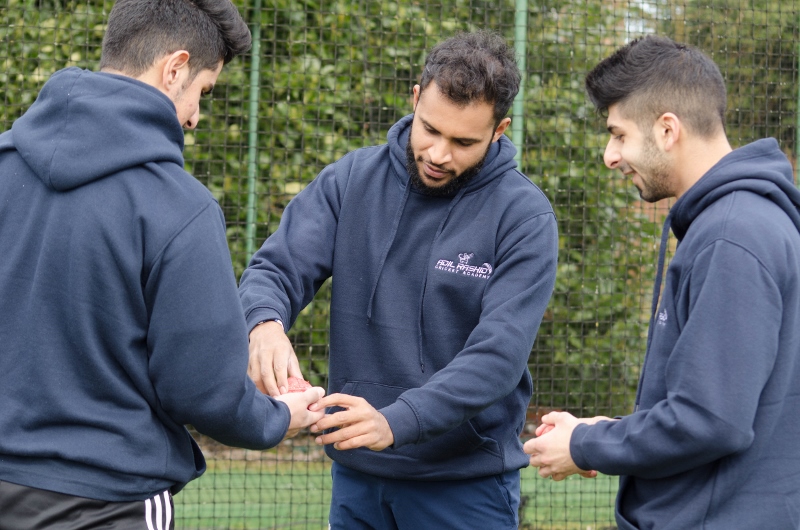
x=324 y=78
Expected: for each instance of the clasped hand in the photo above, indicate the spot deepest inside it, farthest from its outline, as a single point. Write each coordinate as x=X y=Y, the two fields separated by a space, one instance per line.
x=550 y=452
x=273 y=360
x=358 y=425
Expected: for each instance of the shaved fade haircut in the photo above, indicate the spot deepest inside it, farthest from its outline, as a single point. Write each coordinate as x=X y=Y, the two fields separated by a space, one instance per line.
x=653 y=75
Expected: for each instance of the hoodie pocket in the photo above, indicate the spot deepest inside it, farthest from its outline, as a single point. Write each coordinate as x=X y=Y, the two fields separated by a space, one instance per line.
x=462 y=440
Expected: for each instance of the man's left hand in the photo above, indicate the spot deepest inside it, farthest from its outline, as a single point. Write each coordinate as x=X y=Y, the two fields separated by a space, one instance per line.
x=550 y=451
x=359 y=425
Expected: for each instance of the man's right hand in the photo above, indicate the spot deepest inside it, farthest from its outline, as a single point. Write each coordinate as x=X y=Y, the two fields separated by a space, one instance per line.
x=272 y=359
x=298 y=403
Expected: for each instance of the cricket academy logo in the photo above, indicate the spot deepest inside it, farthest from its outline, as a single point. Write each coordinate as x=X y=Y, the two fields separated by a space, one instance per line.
x=464 y=268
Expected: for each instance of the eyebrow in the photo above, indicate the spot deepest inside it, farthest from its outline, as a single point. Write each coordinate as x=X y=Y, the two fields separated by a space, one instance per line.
x=431 y=127
x=611 y=128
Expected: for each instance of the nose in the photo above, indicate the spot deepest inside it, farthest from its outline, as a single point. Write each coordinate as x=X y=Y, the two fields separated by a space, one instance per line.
x=612 y=157
x=440 y=152
x=191 y=123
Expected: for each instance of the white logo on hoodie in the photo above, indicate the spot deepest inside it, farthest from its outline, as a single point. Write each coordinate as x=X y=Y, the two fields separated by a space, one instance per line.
x=464 y=268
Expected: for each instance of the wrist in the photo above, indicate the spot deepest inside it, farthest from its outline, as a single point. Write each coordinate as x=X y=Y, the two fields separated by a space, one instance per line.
x=276 y=320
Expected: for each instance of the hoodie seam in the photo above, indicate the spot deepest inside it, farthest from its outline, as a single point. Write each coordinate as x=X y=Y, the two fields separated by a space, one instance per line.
x=60 y=136
x=528 y=220
x=179 y=231
x=724 y=239
x=520 y=226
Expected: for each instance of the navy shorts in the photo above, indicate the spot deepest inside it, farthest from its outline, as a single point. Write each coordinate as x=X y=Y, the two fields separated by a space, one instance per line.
x=34 y=509
x=361 y=501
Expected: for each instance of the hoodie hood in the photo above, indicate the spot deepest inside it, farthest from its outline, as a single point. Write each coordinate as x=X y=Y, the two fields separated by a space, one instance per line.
x=78 y=110
x=759 y=167
x=499 y=159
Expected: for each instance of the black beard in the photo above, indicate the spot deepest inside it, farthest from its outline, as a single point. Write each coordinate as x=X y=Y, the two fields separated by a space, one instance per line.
x=448 y=189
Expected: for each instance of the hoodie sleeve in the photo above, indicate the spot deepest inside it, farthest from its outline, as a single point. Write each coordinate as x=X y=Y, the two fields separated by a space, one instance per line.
x=714 y=374
x=496 y=353
x=197 y=340
x=278 y=283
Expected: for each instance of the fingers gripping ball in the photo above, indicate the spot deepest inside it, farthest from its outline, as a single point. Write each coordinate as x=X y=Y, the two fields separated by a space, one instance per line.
x=297 y=384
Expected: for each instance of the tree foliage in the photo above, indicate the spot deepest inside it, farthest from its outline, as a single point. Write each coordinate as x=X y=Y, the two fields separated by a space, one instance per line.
x=755 y=45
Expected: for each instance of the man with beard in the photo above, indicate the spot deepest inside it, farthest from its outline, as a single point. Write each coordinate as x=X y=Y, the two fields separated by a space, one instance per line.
x=443 y=259
x=713 y=439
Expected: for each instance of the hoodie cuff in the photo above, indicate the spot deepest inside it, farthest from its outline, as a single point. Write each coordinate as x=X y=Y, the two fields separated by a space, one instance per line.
x=264 y=314
x=403 y=422
x=575 y=449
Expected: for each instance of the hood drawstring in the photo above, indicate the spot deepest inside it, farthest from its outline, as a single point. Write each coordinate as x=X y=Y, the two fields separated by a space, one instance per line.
x=452 y=205
x=385 y=252
x=662 y=254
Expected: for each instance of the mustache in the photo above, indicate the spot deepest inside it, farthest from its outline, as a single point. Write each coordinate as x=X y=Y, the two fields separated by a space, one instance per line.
x=437 y=166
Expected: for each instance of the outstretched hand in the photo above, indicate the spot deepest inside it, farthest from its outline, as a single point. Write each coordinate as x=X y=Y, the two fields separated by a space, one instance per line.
x=272 y=359
x=550 y=449
x=359 y=425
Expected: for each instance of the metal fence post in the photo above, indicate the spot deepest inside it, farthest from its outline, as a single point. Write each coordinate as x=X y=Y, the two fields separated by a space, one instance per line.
x=520 y=46
x=252 y=123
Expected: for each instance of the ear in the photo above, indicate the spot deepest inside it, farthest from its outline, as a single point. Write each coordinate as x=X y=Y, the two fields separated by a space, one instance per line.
x=501 y=128
x=174 y=71
x=667 y=131
x=417 y=92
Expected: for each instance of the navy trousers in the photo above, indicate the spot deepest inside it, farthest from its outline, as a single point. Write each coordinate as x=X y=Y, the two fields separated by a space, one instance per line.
x=360 y=502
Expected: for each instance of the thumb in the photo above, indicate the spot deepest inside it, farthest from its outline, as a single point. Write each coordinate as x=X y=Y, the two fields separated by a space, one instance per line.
x=313 y=394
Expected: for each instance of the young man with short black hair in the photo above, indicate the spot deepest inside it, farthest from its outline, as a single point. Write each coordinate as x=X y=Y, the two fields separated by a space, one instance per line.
x=121 y=320
x=713 y=439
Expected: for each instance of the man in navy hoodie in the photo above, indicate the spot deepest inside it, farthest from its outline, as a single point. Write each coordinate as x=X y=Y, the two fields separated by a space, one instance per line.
x=121 y=321
x=443 y=259
x=714 y=439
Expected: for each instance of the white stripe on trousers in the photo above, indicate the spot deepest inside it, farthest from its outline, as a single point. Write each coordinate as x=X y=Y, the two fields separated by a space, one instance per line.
x=161 y=523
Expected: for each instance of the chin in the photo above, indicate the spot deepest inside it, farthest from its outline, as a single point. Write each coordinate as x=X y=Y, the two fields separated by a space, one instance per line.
x=435 y=184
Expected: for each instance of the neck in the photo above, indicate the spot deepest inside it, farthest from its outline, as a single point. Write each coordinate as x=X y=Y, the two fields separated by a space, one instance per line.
x=700 y=155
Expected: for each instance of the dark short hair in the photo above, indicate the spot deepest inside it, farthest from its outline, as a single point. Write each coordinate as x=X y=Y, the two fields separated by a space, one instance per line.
x=474 y=67
x=653 y=75
x=140 y=32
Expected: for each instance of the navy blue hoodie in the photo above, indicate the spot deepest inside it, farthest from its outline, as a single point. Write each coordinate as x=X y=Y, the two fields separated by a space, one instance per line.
x=121 y=319
x=435 y=303
x=714 y=442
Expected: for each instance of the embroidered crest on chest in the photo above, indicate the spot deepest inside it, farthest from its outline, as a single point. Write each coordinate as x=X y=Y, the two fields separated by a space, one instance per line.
x=463 y=266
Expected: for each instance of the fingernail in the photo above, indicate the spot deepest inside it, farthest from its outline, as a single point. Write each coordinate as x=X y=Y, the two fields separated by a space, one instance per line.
x=318 y=440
